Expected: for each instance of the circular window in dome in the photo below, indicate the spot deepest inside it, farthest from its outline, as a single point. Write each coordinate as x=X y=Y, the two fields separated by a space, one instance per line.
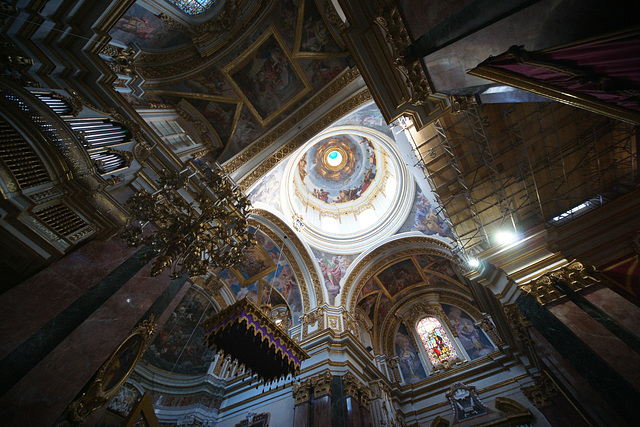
x=334 y=158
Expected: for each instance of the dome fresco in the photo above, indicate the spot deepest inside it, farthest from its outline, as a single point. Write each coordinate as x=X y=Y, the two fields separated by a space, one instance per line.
x=349 y=186
x=338 y=169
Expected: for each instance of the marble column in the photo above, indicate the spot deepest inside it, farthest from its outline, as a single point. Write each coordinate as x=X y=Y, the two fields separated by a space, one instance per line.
x=302 y=396
x=352 y=387
x=41 y=395
x=322 y=399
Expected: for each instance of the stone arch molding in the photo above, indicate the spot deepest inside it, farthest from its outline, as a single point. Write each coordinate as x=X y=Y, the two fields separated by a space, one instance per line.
x=399 y=246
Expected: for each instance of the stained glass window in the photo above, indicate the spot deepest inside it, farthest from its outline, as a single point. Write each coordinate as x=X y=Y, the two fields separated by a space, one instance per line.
x=435 y=340
x=193 y=7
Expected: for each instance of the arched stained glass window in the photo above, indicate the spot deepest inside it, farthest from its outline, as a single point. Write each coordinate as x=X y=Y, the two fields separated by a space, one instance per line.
x=193 y=7
x=435 y=340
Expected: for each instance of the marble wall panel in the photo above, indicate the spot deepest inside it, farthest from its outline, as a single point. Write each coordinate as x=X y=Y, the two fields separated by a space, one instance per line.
x=55 y=288
x=64 y=371
x=605 y=344
x=617 y=307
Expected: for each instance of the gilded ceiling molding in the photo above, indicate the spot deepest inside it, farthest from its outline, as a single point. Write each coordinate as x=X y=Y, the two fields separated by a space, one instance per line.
x=301 y=138
x=308 y=262
x=363 y=264
x=338 y=84
x=332 y=15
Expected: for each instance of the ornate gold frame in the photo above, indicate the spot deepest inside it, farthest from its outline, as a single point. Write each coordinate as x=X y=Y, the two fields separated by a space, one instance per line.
x=229 y=70
x=94 y=395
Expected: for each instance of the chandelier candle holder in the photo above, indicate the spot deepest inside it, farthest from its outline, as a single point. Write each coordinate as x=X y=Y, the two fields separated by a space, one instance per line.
x=191 y=237
x=247 y=334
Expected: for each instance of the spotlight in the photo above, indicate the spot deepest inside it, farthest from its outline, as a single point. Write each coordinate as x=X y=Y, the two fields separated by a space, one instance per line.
x=473 y=262
x=503 y=237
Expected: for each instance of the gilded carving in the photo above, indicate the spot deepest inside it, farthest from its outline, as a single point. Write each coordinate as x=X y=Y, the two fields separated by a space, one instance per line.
x=302 y=391
x=461 y=103
x=322 y=384
x=576 y=275
x=396 y=35
x=486 y=324
x=519 y=324
x=332 y=15
x=542 y=289
x=541 y=392
x=352 y=385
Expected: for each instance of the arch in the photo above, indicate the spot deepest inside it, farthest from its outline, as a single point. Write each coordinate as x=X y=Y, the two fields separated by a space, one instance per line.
x=398 y=247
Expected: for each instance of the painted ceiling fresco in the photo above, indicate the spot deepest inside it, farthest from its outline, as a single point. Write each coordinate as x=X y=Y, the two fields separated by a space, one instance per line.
x=319 y=178
x=245 y=91
x=179 y=347
x=141 y=26
x=404 y=277
x=344 y=182
x=265 y=277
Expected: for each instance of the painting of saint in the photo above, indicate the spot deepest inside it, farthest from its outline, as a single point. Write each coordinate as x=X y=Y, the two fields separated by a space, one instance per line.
x=427 y=221
x=267 y=78
x=400 y=276
x=333 y=268
x=220 y=115
x=409 y=360
x=474 y=340
x=368 y=287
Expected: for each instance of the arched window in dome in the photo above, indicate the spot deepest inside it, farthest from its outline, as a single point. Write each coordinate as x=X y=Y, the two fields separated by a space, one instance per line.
x=193 y=7
x=435 y=340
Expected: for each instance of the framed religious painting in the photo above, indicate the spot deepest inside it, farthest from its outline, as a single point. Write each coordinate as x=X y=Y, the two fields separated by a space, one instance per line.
x=113 y=373
x=267 y=78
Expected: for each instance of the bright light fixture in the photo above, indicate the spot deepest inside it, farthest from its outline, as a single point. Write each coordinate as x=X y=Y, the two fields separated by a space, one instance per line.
x=473 y=262
x=504 y=237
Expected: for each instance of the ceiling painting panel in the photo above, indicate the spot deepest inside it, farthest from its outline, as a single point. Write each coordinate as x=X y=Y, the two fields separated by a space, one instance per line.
x=223 y=116
x=142 y=27
x=313 y=36
x=267 y=78
x=268 y=189
x=400 y=276
x=368 y=305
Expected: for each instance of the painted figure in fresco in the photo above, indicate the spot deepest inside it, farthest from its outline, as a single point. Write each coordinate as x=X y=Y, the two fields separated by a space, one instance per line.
x=142 y=27
x=409 y=361
x=317 y=35
x=468 y=334
x=321 y=194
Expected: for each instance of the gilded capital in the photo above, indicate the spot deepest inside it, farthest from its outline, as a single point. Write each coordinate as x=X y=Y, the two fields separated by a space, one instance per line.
x=322 y=384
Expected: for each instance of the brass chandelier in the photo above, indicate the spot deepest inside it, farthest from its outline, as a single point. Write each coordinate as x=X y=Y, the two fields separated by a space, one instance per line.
x=191 y=237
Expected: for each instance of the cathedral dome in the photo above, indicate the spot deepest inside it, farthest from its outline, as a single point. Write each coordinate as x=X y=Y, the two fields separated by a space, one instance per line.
x=349 y=187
